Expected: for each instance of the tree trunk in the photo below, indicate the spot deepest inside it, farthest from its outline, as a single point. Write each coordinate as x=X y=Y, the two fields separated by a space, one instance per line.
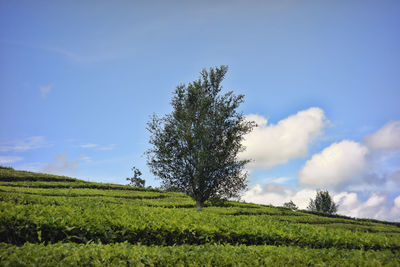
x=199 y=205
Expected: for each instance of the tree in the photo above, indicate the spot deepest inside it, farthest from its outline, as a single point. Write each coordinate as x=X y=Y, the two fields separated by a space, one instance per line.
x=290 y=205
x=323 y=203
x=136 y=181
x=194 y=148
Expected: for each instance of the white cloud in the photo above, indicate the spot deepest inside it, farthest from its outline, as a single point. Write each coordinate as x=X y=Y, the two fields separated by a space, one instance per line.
x=348 y=169
x=386 y=138
x=98 y=147
x=45 y=90
x=281 y=180
x=30 y=143
x=349 y=165
x=85 y=157
x=89 y=145
x=338 y=165
x=107 y=148
x=62 y=166
x=374 y=200
x=270 y=145
x=270 y=194
x=377 y=206
x=395 y=211
x=277 y=195
x=9 y=159
x=397 y=202
x=302 y=197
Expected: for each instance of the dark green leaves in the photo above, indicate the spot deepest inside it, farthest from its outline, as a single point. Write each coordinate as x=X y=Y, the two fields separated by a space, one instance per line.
x=323 y=203
x=194 y=149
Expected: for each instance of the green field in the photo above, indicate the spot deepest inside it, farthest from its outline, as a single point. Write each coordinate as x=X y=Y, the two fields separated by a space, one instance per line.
x=48 y=220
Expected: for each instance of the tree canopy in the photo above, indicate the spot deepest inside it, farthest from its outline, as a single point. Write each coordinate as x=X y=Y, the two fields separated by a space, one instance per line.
x=323 y=203
x=290 y=205
x=136 y=181
x=195 y=148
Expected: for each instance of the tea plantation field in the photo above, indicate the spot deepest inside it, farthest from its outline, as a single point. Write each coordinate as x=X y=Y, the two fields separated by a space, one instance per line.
x=48 y=220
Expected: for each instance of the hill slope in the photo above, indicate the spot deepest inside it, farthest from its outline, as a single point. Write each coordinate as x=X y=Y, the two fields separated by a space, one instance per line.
x=49 y=220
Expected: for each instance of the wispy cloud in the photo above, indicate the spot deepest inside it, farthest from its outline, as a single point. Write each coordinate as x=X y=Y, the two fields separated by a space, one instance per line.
x=45 y=90
x=29 y=143
x=9 y=159
x=85 y=157
x=90 y=145
x=98 y=147
x=62 y=166
x=88 y=55
x=281 y=180
x=107 y=148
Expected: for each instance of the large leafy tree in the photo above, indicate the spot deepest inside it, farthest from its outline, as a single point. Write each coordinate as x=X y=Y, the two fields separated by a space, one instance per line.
x=323 y=203
x=195 y=148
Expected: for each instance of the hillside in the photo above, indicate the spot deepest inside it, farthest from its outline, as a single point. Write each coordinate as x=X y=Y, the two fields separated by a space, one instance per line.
x=48 y=220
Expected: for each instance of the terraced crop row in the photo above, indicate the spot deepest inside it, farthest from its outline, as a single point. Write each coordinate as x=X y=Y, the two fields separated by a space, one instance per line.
x=124 y=254
x=83 y=219
x=72 y=222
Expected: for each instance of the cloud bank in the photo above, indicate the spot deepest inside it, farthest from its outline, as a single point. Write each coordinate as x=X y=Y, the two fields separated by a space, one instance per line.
x=376 y=206
x=273 y=194
x=336 y=166
x=349 y=163
x=386 y=138
x=270 y=145
x=350 y=170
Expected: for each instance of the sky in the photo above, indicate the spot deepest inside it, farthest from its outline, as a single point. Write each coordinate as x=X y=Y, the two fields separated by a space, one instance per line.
x=79 y=80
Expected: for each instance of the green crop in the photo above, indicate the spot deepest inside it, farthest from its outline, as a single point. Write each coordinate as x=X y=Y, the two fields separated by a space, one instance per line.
x=103 y=224
x=124 y=254
x=82 y=219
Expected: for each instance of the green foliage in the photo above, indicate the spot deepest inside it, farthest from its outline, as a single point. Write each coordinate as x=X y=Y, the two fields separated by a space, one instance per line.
x=121 y=225
x=9 y=175
x=136 y=181
x=194 y=149
x=78 y=184
x=5 y=168
x=290 y=205
x=81 y=215
x=323 y=203
x=125 y=254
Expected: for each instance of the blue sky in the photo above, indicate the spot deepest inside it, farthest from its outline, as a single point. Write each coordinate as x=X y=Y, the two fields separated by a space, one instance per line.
x=78 y=83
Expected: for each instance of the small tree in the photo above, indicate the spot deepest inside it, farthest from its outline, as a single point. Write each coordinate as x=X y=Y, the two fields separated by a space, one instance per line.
x=136 y=181
x=194 y=149
x=323 y=203
x=290 y=205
